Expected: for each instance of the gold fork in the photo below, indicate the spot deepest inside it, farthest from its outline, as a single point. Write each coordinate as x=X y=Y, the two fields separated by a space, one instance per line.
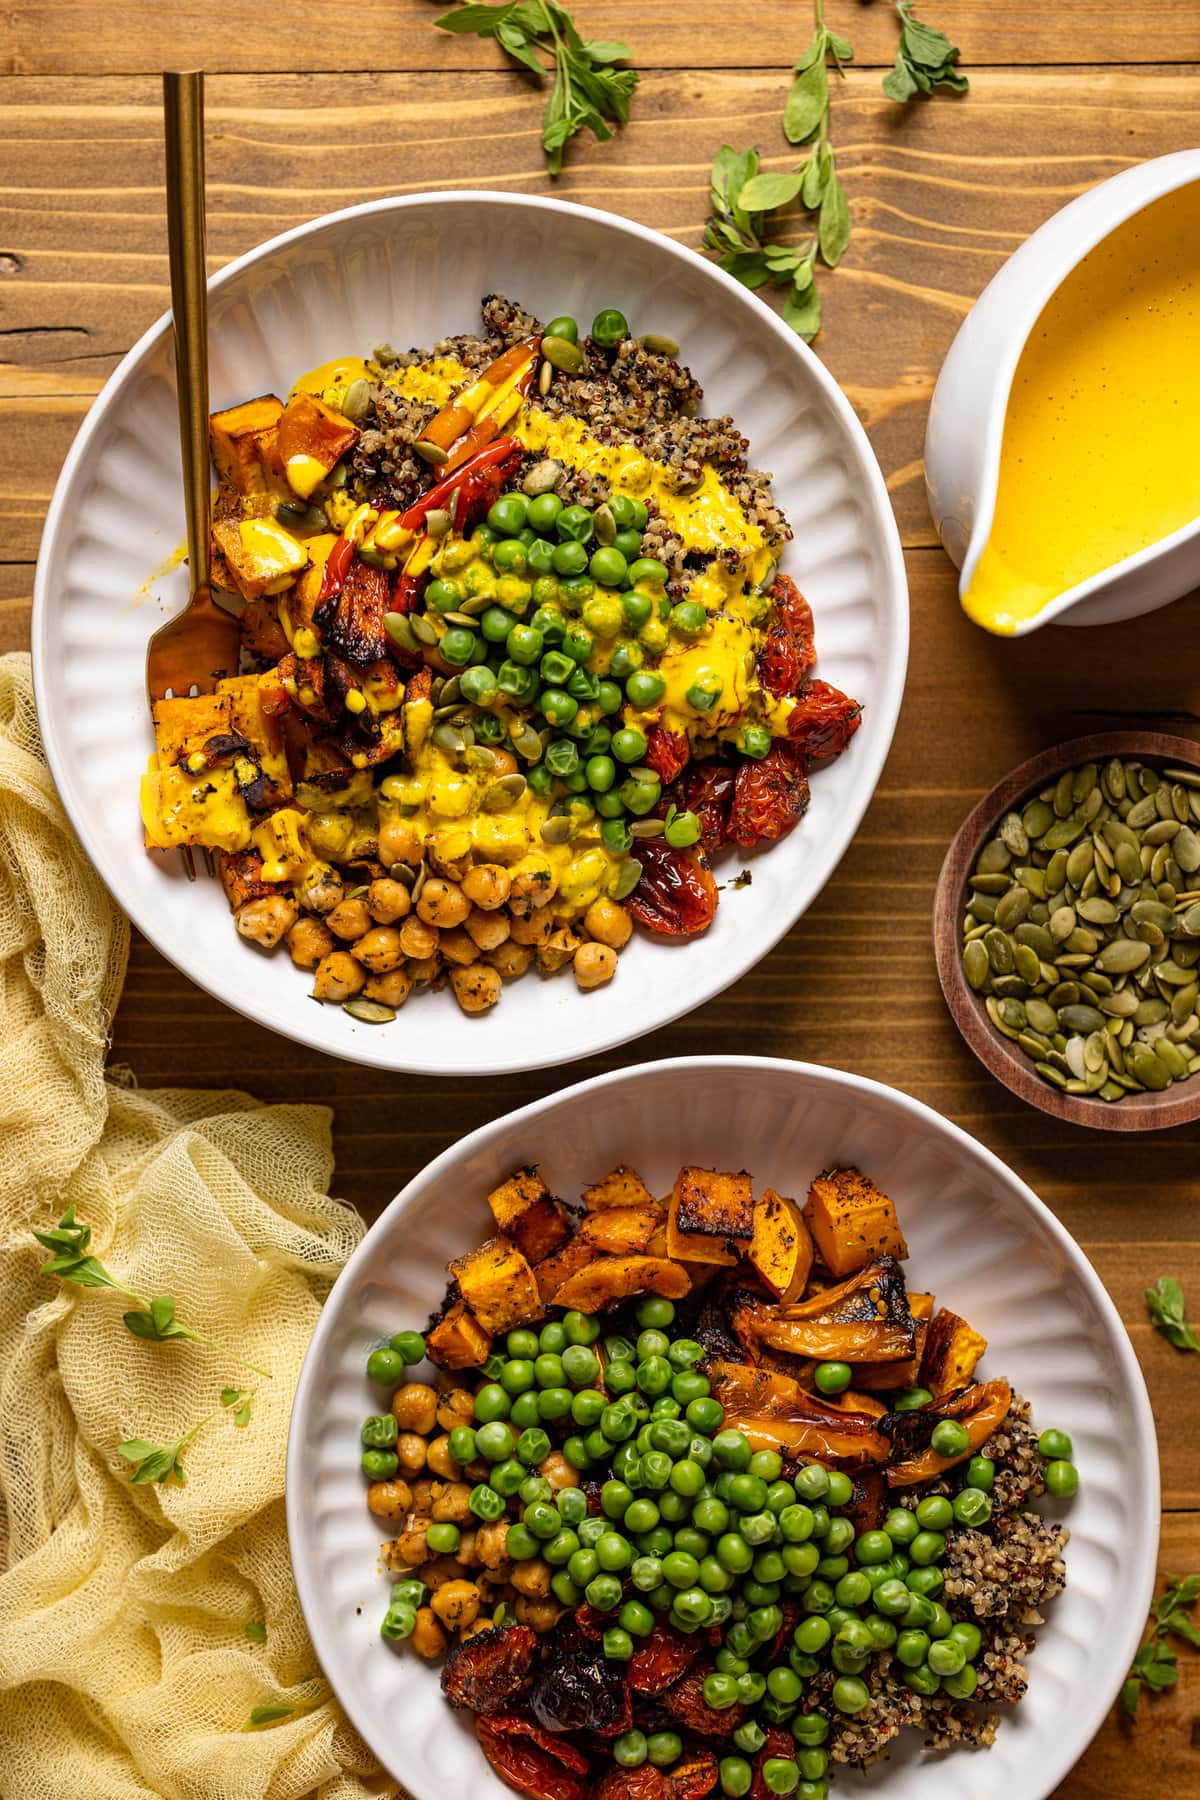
x=194 y=650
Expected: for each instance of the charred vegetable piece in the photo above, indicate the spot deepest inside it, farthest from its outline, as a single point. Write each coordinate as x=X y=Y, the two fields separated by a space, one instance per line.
x=662 y=1660
x=578 y=1689
x=864 y=1319
x=244 y=443
x=952 y=1350
x=458 y=1340
x=677 y=894
x=312 y=437
x=852 y=1221
x=667 y=752
x=611 y=1279
x=770 y=796
x=557 y=1269
x=686 y=1703
x=708 y=790
x=711 y=1216
x=525 y=1211
x=980 y=1410
x=775 y=1413
x=621 y=1187
x=497 y=1284
x=622 y=1230
x=488 y=1671
x=781 y=1250
x=689 y=1779
x=824 y=720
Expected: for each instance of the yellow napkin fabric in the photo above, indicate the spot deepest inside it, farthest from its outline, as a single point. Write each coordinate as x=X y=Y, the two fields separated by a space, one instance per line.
x=126 y=1672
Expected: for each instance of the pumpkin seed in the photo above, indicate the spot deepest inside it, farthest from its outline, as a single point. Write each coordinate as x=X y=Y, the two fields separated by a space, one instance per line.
x=1028 y=966
x=1037 y=818
x=503 y=793
x=357 y=400
x=545 y=379
x=422 y=629
x=1000 y=952
x=431 y=453
x=369 y=1012
x=1041 y=1016
x=1186 y=849
x=1063 y=833
x=1013 y=908
x=1064 y=795
x=988 y=884
x=1119 y=1005
x=450 y=738
x=1189 y=777
x=994 y=1014
x=1170 y=1054
x=1148 y=1068
x=556 y=830
x=527 y=743
x=1014 y=836
x=647 y=828
x=1062 y=923
x=562 y=354
x=478 y=756
x=659 y=344
x=543 y=478
x=399 y=628
x=976 y=964
x=1051 y=1074
x=1080 y=1018
x=1122 y=955
x=1183 y=1002
x=994 y=858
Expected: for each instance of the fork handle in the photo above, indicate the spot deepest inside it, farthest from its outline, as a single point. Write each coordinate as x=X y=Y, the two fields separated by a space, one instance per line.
x=183 y=110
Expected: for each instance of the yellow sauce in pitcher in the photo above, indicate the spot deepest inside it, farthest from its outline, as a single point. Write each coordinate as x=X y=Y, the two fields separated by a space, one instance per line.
x=1098 y=458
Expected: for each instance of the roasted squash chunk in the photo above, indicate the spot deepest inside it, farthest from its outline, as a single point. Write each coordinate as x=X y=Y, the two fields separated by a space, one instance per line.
x=497 y=1284
x=952 y=1349
x=864 y=1319
x=244 y=444
x=458 y=1340
x=260 y=555
x=776 y=1413
x=268 y=782
x=525 y=1211
x=711 y=1216
x=182 y=804
x=852 y=1222
x=609 y=1279
x=622 y=1230
x=781 y=1251
x=621 y=1187
x=576 y=1254
x=981 y=1410
x=312 y=438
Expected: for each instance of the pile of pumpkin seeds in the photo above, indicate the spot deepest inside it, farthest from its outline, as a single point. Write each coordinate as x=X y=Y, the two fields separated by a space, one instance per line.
x=1082 y=929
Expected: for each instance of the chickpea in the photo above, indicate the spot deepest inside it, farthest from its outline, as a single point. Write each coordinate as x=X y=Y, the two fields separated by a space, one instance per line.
x=540 y=1615
x=389 y=1499
x=380 y=950
x=437 y=1573
x=510 y=960
x=399 y=842
x=391 y=989
x=425 y=971
x=459 y=949
x=410 y=1546
x=477 y=988
x=483 y=1623
x=558 y=1471
x=532 y=928
x=491 y=1545
x=428 y=1638
x=267 y=920
x=487 y=929
x=451 y=851
x=451 y=1505
x=466 y=1553
x=418 y=939
x=422 y=1493
x=410 y=1448
x=559 y=949
x=309 y=942
x=321 y=889
x=455 y=1407
x=414 y=1407
x=338 y=977
x=389 y=900
x=608 y=923
x=487 y=886
x=594 y=965
x=442 y=903
x=503 y=763
x=532 y=1578
x=456 y=1603
x=349 y=920
x=440 y=1460
x=531 y=887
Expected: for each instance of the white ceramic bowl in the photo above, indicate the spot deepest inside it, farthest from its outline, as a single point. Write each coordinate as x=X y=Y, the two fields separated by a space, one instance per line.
x=412 y=271
x=966 y=417
x=979 y=1239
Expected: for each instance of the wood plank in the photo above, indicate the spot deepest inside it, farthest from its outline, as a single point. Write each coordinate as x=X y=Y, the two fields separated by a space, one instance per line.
x=940 y=199
x=87 y=37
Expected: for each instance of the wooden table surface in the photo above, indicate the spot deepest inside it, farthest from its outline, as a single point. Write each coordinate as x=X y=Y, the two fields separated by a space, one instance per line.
x=313 y=108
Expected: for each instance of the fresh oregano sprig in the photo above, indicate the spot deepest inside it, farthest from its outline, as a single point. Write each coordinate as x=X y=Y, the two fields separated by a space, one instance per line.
x=1154 y=1666
x=153 y=1321
x=588 y=91
x=163 y=1463
x=1165 y=1304
x=925 y=59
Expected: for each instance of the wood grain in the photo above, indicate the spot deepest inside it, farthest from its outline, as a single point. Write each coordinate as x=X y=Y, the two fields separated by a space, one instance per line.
x=313 y=114
x=84 y=36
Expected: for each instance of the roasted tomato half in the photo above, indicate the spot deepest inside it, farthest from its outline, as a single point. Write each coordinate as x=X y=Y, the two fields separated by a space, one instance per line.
x=707 y=790
x=676 y=896
x=824 y=720
x=769 y=796
x=667 y=752
x=789 y=651
x=531 y=1760
x=489 y=1669
x=692 y=1777
x=660 y=1661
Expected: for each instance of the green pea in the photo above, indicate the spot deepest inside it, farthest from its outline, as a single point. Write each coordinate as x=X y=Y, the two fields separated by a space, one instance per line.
x=555 y=668
x=379 y=1465
x=901 y=1525
x=442 y=1538
x=399 y=1621
x=949 y=1438
x=533 y=1487
x=563 y=327
x=604 y=1593
x=705 y=1414
x=981 y=1473
x=689 y=618
x=583 y=1566
x=617 y=1644
x=1062 y=1479
x=410 y=1345
x=609 y=328
x=754 y=741
x=626 y=660
x=629 y=1750
x=613 y=1552
x=619 y=1377
x=507 y=1476
x=1055 y=1446
x=519 y=683
x=385 y=1366
x=971 y=1507
x=609 y=698
x=833 y=1377
x=609 y=568
x=509 y=558
x=517 y=1375
x=574 y=524
x=912 y=1400
x=570 y=558
x=629 y=745
x=927 y=1547
x=946 y=1657
x=540 y=557
x=509 y=514
x=812 y=1482
x=578 y=645
x=524 y=644
x=961 y=1686
x=485 y=1502
x=637 y=609
x=492 y=1402
x=736 y=1776
x=533 y=1447
x=853 y=1589
x=720 y=1691
x=873 y=1547
x=925 y=1581
x=556 y=707
x=841 y=1488
x=934 y=1513
x=380 y=1432
x=575 y=1452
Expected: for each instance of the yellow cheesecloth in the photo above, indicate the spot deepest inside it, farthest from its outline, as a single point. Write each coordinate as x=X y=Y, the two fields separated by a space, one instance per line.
x=125 y=1669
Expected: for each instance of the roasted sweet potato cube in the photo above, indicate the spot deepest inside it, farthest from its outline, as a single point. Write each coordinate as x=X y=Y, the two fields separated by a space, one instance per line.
x=621 y=1187
x=607 y=1280
x=622 y=1230
x=261 y=556
x=711 y=1216
x=458 y=1340
x=550 y=1274
x=851 y=1221
x=263 y=733
x=781 y=1250
x=952 y=1350
x=240 y=872
x=312 y=438
x=184 y=725
x=244 y=443
x=497 y=1284
x=525 y=1211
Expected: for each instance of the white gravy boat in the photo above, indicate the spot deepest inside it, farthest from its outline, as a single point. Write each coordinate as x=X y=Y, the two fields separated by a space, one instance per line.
x=966 y=419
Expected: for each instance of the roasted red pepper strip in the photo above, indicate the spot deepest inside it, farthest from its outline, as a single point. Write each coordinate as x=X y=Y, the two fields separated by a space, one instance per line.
x=405 y=589
x=336 y=569
x=495 y=454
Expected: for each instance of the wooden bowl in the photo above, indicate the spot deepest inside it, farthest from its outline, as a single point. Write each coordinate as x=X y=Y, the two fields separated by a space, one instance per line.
x=1177 y=1105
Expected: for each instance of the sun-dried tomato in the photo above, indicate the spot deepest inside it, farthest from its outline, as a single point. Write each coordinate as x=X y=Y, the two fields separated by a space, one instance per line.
x=789 y=651
x=660 y=1661
x=532 y=1761
x=590 y=1622
x=694 y=1776
x=792 y=1612
x=770 y=795
x=779 y=1742
x=686 y=1702
x=578 y=1689
x=824 y=719
x=676 y=896
x=690 y=1779
x=708 y=792
x=489 y=1669
x=667 y=752
x=406 y=590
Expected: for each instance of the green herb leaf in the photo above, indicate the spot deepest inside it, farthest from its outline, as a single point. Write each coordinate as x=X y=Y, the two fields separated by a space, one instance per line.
x=808 y=100
x=267 y=1715
x=802 y=311
x=925 y=59
x=834 y=227
x=812 y=185
x=1179 y=1625
x=1131 y=1693
x=154 y=1462
x=255 y=1630
x=763 y=193
x=898 y=83
x=1165 y=1304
